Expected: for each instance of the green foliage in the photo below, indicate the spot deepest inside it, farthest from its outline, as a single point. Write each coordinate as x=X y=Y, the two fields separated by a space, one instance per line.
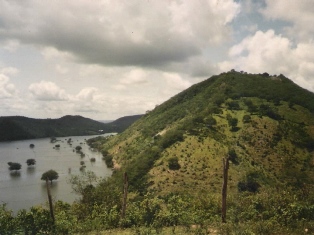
x=137 y=172
x=31 y=162
x=50 y=175
x=80 y=183
x=251 y=107
x=8 y=223
x=210 y=121
x=173 y=163
x=265 y=212
x=14 y=166
x=108 y=160
x=35 y=221
x=232 y=122
x=266 y=110
x=171 y=137
x=233 y=157
x=233 y=105
x=250 y=184
x=246 y=118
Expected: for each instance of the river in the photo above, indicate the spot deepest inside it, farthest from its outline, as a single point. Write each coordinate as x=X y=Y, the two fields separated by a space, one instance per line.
x=24 y=188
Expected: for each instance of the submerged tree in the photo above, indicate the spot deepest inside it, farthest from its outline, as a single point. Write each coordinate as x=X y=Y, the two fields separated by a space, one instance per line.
x=30 y=162
x=14 y=166
x=50 y=175
x=78 y=148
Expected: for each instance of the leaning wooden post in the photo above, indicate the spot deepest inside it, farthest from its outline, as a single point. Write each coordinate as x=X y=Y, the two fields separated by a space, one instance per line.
x=50 y=201
x=225 y=163
x=125 y=194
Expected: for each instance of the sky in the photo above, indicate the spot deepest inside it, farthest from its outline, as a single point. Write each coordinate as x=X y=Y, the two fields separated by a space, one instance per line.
x=106 y=59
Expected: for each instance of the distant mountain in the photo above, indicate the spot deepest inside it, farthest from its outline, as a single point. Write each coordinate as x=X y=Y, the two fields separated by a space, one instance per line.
x=18 y=127
x=122 y=123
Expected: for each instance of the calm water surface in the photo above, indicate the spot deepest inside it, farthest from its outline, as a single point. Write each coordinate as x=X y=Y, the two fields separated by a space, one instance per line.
x=24 y=189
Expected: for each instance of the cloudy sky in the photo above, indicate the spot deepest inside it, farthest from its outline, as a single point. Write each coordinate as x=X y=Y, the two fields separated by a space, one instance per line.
x=105 y=59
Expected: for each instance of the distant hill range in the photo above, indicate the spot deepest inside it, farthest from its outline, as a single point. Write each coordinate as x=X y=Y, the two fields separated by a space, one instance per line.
x=19 y=128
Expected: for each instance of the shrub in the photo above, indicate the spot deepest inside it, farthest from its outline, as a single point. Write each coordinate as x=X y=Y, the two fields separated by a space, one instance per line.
x=108 y=160
x=171 y=137
x=233 y=105
x=246 y=118
x=233 y=157
x=210 y=121
x=173 y=163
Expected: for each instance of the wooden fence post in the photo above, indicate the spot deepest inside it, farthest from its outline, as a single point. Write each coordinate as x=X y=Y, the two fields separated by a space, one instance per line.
x=225 y=162
x=125 y=194
x=50 y=201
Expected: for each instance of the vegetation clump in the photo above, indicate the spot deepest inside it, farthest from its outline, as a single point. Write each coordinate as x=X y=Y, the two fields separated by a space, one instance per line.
x=173 y=163
x=50 y=175
x=107 y=158
x=14 y=166
x=31 y=162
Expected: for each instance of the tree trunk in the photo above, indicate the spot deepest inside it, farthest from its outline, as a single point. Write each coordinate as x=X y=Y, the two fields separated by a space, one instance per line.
x=224 y=189
x=125 y=194
x=50 y=201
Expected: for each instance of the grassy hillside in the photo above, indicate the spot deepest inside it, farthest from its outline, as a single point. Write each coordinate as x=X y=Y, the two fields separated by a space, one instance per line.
x=265 y=123
x=17 y=128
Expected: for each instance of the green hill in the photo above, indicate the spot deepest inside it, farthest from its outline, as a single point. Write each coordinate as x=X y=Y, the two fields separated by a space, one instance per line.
x=265 y=123
x=18 y=128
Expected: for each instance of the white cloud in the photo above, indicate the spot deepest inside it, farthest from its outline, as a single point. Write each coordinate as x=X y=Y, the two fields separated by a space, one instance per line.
x=11 y=45
x=95 y=70
x=7 y=89
x=176 y=82
x=268 y=52
x=87 y=94
x=135 y=76
x=298 y=13
x=11 y=103
x=61 y=69
x=47 y=91
x=9 y=70
x=50 y=53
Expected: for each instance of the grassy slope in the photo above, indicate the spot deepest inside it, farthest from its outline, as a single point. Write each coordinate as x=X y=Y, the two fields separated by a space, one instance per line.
x=269 y=150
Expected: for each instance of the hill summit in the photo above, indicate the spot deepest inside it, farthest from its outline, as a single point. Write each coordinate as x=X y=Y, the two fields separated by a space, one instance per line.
x=263 y=123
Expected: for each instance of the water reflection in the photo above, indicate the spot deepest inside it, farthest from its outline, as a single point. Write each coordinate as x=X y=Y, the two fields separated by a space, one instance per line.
x=15 y=175
x=30 y=170
x=53 y=188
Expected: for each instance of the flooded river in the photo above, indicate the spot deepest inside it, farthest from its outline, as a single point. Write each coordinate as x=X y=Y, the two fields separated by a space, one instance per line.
x=24 y=188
